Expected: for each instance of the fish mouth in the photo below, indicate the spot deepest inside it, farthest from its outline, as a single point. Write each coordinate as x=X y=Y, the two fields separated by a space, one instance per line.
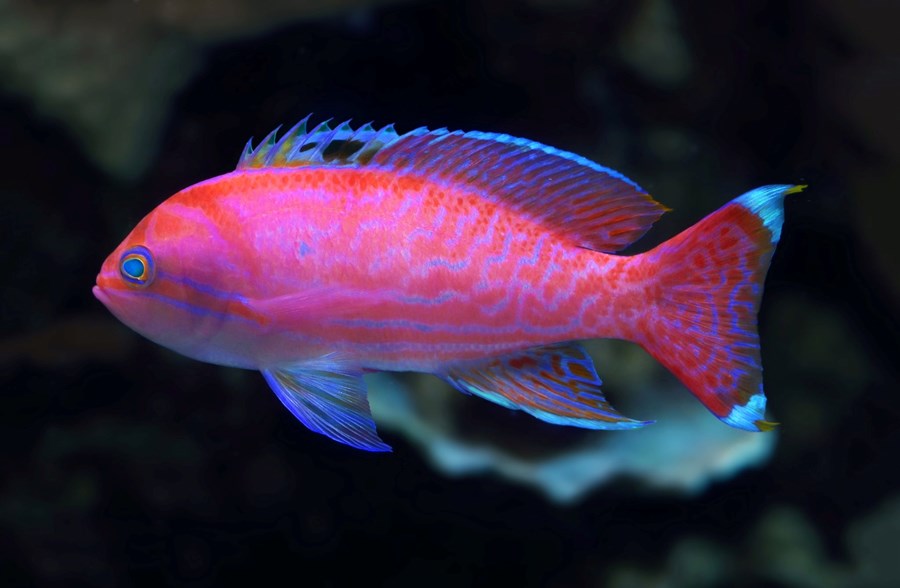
x=100 y=295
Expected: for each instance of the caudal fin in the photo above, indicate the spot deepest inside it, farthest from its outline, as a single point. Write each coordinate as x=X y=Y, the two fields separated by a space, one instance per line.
x=711 y=282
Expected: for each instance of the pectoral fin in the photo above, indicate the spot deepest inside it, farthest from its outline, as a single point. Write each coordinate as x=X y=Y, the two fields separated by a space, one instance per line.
x=555 y=383
x=332 y=403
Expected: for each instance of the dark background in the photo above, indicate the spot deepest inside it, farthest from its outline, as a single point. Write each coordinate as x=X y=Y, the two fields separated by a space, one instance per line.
x=125 y=464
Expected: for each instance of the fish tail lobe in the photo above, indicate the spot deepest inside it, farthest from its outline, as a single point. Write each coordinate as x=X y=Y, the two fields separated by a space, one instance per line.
x=710 y=285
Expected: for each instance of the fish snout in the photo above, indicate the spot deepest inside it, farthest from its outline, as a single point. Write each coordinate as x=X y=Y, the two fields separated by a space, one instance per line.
x=100 y=295
x=102 y=287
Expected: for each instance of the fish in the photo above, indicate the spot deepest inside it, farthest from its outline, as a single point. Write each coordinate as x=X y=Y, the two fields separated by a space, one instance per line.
x=482 y=258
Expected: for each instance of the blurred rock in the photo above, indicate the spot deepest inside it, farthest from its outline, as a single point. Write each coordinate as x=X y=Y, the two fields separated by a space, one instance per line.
x=653 y=46
x=700 y=563
x=785 y=548
x=99 y=68
x=874 y=542
x=693 y=563
x=108 y=70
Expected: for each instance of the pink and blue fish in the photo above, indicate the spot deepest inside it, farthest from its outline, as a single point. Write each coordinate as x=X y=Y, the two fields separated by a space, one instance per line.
x=478 y=257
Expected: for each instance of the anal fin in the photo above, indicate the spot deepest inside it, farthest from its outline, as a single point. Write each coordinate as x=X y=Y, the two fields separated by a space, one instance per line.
x=555 y=383
x=332 y=403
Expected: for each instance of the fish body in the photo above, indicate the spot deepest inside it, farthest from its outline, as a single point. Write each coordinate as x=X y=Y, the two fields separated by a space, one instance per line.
x=480 y=258
x=395 y=273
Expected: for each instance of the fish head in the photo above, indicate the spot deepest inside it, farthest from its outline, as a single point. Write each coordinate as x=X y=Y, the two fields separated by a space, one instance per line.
x=171 y=280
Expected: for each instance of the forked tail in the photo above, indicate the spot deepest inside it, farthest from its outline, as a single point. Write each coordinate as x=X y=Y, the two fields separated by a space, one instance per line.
x=711 y=282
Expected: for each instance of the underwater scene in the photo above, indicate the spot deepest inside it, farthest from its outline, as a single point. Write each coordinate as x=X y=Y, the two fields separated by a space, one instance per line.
x=371 y=352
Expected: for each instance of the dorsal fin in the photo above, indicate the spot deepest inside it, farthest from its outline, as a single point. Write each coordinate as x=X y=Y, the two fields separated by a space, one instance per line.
x=322 y=145
x=598 y=207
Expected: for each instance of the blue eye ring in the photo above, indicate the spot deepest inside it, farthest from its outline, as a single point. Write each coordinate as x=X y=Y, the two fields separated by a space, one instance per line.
x=137 y=267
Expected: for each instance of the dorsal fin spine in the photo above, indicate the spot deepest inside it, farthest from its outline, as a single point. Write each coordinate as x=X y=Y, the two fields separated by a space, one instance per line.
x=263 y=149
x=278 y=154
x=363 y=134
x=385 y=136
x=319 y=150
x=246 y=155
x=307 y=138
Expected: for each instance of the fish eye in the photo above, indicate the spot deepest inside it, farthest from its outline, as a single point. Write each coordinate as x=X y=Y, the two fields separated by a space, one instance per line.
x=137 y=266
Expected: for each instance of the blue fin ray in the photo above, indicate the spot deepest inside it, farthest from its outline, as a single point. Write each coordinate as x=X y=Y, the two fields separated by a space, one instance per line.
x=332 y=403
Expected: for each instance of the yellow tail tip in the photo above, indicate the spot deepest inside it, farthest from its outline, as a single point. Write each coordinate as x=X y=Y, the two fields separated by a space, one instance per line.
x=765 y=426
x=796 y=189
